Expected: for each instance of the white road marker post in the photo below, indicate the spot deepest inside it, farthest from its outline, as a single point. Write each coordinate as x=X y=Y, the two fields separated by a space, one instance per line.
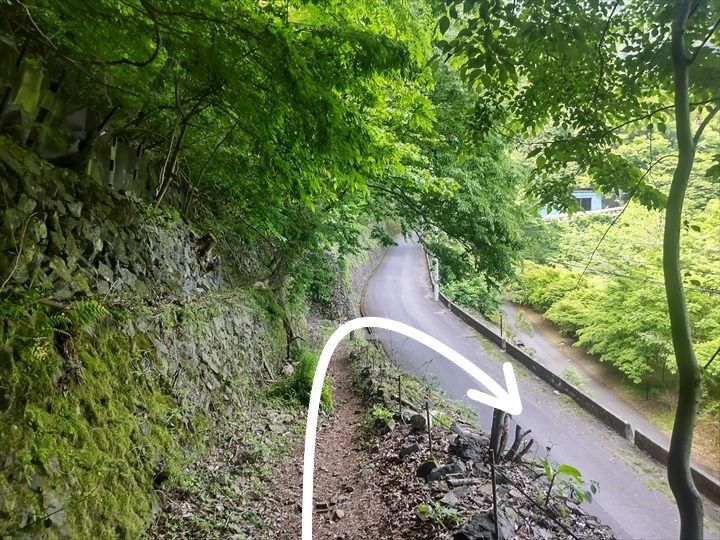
x=436 y=269
x=498 y=398
x=502 y=333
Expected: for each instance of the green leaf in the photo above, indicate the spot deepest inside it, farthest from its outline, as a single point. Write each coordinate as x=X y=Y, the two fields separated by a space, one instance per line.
x=569 y=470
x=444 y=24
x=547 y=470
x=534 y=152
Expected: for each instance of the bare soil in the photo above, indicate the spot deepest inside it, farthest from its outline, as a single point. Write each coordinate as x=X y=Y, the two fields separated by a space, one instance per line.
x=344 y=474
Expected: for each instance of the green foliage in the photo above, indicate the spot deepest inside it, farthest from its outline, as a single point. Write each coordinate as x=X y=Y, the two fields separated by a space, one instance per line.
x=577 y=80
x=471 y=202
x=474 y=293
x=435 y=512
x=442 y=419
x=471 y=193
x=573 y=376
x=288 y=128
x=618 y=309
x=376 y=420
x=298 y=385
x=523 y=323
x=380 y=413
x=164 y=217
x=86 y=314
x=568 y=481
x=545 y=286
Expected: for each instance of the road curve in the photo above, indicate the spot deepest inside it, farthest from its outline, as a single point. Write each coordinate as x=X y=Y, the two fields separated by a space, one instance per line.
x=634 y=498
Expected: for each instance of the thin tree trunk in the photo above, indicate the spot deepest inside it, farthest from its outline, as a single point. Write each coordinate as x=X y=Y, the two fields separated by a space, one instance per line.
x=194 y=187
x=525 y=450
x=171 y=164
x=495 y=430
x=519 y=436
x=686 y=495
x=167 y=177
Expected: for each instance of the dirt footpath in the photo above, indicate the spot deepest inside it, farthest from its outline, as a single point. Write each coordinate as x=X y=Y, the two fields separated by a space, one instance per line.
x=348 y=502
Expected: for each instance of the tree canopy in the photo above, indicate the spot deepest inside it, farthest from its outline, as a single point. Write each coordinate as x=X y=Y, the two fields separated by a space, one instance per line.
x=288 y=126
x=578 y=78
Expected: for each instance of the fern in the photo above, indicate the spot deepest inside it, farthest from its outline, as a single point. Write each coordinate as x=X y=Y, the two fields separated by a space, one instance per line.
x=85 y=314
x=59 y=323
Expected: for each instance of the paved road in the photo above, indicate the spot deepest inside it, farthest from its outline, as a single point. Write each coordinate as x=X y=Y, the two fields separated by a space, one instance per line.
x=555 y=352
x=634 y=499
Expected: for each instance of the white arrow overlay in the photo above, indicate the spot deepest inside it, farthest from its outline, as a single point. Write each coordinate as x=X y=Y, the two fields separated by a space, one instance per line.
x=498 y=398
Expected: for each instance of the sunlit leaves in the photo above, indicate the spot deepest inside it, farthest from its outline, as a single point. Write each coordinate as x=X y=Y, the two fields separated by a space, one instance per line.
x=618 y=309
x=582 y=68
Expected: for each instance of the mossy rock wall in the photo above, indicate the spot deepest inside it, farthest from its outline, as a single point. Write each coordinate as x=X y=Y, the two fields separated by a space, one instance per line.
x=91 y=419
x=343 y=282
x=109 y=381
x=72 y=236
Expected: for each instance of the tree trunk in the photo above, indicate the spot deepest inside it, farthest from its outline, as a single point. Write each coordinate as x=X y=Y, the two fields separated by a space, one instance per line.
x=495 y=429
x=167 y=177
x=515 y=448
x=686 y=495
x=525 y=450
x=503 y=438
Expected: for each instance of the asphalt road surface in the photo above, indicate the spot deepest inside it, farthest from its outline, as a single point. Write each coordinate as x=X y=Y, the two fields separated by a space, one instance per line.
x=634 y=498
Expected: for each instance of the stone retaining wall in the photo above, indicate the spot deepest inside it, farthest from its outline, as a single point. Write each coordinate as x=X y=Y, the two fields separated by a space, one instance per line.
x=587 y=403
x=98 y=414
x=706 y=484
x=75 y=237
x=360 y=269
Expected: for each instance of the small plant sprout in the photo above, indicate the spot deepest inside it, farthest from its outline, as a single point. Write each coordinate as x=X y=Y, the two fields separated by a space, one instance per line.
x=568 y=481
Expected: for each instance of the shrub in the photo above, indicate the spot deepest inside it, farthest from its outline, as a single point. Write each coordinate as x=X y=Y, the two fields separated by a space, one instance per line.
x=573 y=376
x=475 y=294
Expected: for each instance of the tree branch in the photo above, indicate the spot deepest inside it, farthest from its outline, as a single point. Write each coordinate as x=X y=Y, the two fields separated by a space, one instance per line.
x=32 y=21
x=196 y=184
x=153 y=55
x=614 y=221
x=704 y=41
x=711 y=359
x=704 y=123
x=619 y=126
x=411 y=204
x=698 y=3
x=661 y=109
x=599 y=50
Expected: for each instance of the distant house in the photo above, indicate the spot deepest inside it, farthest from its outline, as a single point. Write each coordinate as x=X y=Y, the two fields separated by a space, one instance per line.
x=587 y=198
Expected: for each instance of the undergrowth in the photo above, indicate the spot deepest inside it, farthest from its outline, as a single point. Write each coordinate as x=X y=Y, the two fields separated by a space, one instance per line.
x=298 y=384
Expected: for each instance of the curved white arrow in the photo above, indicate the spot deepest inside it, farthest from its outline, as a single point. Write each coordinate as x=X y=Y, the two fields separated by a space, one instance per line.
x=507 y=400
